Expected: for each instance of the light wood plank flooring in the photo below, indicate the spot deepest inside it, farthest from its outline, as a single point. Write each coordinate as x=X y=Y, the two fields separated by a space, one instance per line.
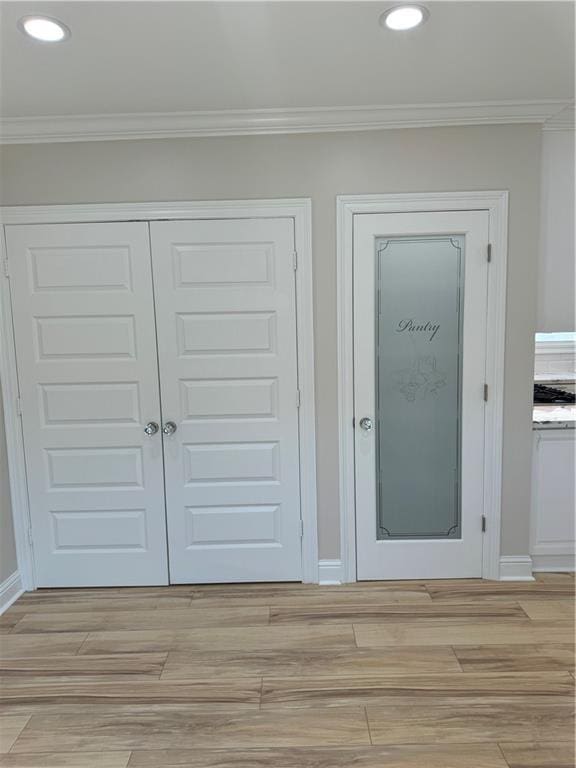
x=445 y=674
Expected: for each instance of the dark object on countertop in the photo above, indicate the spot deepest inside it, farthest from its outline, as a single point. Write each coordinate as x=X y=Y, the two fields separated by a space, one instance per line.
x=545 y=395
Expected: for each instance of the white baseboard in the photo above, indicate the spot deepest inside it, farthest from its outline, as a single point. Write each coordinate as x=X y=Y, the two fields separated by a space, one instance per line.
x=512 y=568
x=10 y=591
x=558 y=563
x=330 y=572
x=516 y=568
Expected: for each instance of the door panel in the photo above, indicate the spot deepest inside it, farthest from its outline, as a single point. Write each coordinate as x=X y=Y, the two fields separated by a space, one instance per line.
x=86 y=348
x=225 y=308
x=420 y=289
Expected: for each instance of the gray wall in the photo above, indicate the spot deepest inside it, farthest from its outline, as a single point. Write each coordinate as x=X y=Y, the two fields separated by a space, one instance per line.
x=322 y=166
x=556 y=270
x=7 y=549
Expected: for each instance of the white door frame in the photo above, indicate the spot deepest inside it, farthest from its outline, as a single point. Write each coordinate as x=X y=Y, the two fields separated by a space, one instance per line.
x=300 y=211
x=496 y=203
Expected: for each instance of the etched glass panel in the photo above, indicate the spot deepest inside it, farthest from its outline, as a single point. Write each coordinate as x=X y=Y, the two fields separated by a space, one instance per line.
x=419 y=287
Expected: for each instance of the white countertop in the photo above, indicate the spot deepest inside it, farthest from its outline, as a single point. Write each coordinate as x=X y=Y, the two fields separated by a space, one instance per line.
x=554 y=416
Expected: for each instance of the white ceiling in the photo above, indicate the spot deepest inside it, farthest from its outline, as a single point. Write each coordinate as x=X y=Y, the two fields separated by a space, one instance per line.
x=134 y=57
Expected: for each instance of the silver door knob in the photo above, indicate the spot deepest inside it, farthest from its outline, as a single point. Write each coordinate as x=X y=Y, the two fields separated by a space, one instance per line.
x=151 y=428
x=366 y=424
x=169 y=428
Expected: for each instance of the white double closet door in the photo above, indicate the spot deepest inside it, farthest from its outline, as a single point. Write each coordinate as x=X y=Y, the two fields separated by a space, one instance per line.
x=157 y=367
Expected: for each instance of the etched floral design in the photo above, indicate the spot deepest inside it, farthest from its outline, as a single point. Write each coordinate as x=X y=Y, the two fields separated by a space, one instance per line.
x=421 y=380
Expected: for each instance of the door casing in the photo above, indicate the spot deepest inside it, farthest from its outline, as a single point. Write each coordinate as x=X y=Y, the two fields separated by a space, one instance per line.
x=496 y=204
x=299 y=210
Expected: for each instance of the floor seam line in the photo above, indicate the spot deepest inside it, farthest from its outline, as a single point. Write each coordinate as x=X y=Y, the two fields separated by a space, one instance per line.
x=502 y=753
x=163 y=666
x=19 y=735
x=13 y=628
x=368 y=726
x=453 y=649
x=82 y=644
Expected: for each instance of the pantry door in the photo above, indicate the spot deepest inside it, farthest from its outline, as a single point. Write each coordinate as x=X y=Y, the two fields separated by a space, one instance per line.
x=86 y=347
x=420 y=295
x=226 y=316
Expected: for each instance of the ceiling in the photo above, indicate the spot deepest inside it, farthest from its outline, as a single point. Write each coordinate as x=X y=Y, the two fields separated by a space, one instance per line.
x=146 y=57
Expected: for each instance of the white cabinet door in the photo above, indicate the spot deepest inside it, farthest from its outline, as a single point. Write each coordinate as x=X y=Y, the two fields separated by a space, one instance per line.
x=225 y=309
x=420 y=290
x=86 y=347
x=553 y=528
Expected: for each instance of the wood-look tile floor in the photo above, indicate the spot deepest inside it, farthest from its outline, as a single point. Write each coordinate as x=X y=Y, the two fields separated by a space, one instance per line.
x=444 y=674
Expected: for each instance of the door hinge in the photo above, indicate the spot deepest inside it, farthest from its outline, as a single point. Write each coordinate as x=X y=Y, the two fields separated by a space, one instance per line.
x=485 y=393
x=19 y=406
x=483 y=523
x=295 y=260
x=6 y=270
x=298 y=398
x=489 y=253
x=301 y=529
x=30 y=538
x=354 y=422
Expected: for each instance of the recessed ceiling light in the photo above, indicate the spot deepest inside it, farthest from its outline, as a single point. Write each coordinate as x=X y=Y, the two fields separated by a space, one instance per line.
x=402 y=17
x=44 y=29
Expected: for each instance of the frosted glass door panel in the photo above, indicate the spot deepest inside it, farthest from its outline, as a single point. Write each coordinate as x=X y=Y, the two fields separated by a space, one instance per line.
x=418 y=380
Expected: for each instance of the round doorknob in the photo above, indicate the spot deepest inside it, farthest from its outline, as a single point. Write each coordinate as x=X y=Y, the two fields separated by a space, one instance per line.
x=169 y=428
x=366 y=424
x=151 y=428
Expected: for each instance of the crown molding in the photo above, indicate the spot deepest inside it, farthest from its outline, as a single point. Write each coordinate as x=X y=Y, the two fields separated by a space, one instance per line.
x=562 y=121
x=69 y=128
